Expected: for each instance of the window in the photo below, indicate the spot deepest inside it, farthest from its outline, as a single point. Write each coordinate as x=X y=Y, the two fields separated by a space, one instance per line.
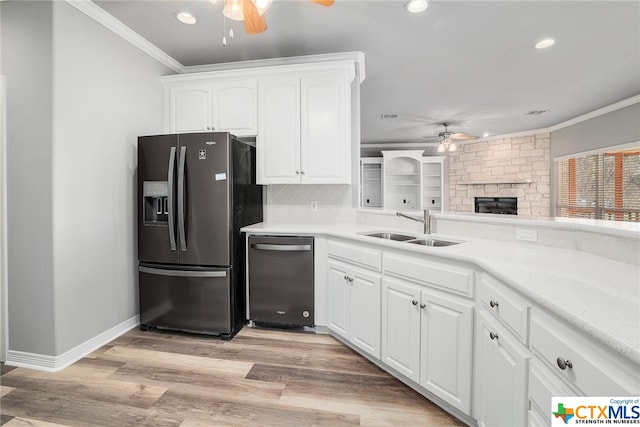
x=602 y=185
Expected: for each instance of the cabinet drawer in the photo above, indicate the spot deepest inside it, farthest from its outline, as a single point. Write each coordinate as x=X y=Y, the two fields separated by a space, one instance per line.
x=590 y=371
x=364 y=256
x=506 y=305
x=543 y=385
x=447 y=276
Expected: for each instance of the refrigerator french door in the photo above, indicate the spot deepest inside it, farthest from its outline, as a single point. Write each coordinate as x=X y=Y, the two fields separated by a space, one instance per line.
x=195 y=192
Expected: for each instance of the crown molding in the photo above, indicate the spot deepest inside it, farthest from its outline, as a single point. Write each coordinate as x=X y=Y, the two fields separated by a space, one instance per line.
x=98 y=14
x=327 y=59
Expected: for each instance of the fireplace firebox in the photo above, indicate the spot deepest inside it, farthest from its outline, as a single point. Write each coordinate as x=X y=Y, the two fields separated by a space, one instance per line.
x=497 y=205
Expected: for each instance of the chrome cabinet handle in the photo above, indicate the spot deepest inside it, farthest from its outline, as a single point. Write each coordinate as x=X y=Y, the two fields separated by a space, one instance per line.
x=297 y=172
x=346 y=277
x=493 y=335
x=414 y=302
x=423 y=305
x=301 y=172
x=564 y=364
x=493 y=303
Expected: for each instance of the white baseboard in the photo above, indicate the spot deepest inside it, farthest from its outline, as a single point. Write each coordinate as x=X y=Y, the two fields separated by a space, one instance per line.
x=43 y=362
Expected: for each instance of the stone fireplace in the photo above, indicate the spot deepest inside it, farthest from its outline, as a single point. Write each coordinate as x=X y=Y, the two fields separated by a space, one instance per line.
x=515 y=167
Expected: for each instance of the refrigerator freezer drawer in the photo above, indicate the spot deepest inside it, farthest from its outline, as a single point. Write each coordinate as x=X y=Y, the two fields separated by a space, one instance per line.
x=196 y=300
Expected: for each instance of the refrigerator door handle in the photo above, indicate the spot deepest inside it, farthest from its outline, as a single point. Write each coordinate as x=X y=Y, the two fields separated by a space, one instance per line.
x=182 y=273
x=181 y=232
x=276 y=247
x=170 y=213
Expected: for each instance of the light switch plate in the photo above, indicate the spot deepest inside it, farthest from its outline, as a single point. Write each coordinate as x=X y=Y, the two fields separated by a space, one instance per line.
x=526 y=234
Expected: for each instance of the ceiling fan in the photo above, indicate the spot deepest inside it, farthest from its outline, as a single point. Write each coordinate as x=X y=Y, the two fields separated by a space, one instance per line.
x=252 y=12
x=447 y=139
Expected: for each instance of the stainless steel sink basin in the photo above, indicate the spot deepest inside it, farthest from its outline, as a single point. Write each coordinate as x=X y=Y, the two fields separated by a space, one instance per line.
x=391 y=236
x=431 y=242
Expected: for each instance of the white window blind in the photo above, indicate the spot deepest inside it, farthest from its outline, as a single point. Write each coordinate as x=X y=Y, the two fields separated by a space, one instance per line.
x=600 y=186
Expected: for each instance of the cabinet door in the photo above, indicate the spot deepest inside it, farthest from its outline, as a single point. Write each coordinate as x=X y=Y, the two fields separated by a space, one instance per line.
x=326 y=132
x=339 y=293
x=446 y=348
x=235 y=107
x=365 y=311
x=278 y=140
x=190 y=109
x=401 y=327
x=501 y=376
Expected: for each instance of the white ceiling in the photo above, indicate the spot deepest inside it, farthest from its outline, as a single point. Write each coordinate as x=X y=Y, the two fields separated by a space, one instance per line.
x=471 y=63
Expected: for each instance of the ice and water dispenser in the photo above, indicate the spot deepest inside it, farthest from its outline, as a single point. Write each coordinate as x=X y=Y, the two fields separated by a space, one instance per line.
x=156 y=202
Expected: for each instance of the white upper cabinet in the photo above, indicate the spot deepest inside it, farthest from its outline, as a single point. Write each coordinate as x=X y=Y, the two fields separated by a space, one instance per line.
x=235 y=107
x=227 y=105
x=304 y=132
x=190 y=108
x=325 y=129
x=278 y=142
x=303 y=111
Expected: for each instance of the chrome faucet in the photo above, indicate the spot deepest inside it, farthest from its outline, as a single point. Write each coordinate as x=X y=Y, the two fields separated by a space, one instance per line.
x=426 y=219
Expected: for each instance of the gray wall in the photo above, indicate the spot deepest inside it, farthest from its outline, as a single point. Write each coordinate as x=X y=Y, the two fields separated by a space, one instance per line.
x=27 y=63
x=78 y=97
x=617 y=127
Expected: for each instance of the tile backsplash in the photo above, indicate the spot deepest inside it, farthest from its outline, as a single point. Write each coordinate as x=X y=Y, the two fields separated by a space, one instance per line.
x=292 y=203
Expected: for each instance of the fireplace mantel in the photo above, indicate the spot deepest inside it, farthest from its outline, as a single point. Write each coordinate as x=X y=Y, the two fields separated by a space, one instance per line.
x=496 y=181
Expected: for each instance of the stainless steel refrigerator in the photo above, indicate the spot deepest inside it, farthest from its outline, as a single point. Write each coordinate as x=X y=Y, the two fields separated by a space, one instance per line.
x=195 y=192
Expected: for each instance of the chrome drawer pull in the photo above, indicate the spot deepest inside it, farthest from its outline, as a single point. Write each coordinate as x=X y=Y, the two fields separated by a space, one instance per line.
x=564 y=364
x=493 y=304
x=493 y=335
x=414 y=302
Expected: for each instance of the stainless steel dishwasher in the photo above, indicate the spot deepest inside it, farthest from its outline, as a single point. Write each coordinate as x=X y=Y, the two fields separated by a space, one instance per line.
x=281 y=280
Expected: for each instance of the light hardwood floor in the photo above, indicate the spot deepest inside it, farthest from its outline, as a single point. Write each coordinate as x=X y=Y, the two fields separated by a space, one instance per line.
x=260 y=378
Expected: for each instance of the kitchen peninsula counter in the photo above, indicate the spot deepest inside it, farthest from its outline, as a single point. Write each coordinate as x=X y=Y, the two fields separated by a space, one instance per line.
x=597 y=295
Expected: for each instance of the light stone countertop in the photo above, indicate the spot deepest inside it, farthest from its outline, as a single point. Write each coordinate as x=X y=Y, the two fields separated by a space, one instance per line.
x=597 y=295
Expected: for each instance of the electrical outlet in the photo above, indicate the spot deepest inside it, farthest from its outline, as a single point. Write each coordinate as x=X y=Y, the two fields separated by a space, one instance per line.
x=525 y=234
x=314 y=206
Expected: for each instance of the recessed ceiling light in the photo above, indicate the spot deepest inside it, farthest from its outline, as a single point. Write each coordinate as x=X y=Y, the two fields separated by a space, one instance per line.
x=417 y=6
x=486 y=134
x=543 y=44
x=186 y=18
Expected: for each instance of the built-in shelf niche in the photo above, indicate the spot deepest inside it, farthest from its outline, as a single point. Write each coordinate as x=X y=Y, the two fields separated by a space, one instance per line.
x=402 y=180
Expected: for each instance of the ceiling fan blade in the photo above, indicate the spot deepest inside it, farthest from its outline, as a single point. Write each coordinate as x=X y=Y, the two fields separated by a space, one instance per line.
x=463 y=137
x=325 y=3
x=253 y=22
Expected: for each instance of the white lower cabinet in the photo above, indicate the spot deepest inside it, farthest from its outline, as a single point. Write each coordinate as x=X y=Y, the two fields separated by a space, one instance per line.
x=427 y=336
x=401 y=326
x=502 y=365
x=354 y=305
x=446 y=350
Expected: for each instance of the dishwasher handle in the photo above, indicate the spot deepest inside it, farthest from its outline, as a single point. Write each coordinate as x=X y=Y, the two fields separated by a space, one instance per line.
x=284 y=248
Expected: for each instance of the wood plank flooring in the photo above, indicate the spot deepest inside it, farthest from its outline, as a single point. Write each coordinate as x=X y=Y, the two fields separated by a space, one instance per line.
x=260 y=378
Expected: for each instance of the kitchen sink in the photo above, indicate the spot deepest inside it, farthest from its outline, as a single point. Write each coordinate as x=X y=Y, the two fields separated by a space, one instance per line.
x=391 y=236
x=431 y=242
